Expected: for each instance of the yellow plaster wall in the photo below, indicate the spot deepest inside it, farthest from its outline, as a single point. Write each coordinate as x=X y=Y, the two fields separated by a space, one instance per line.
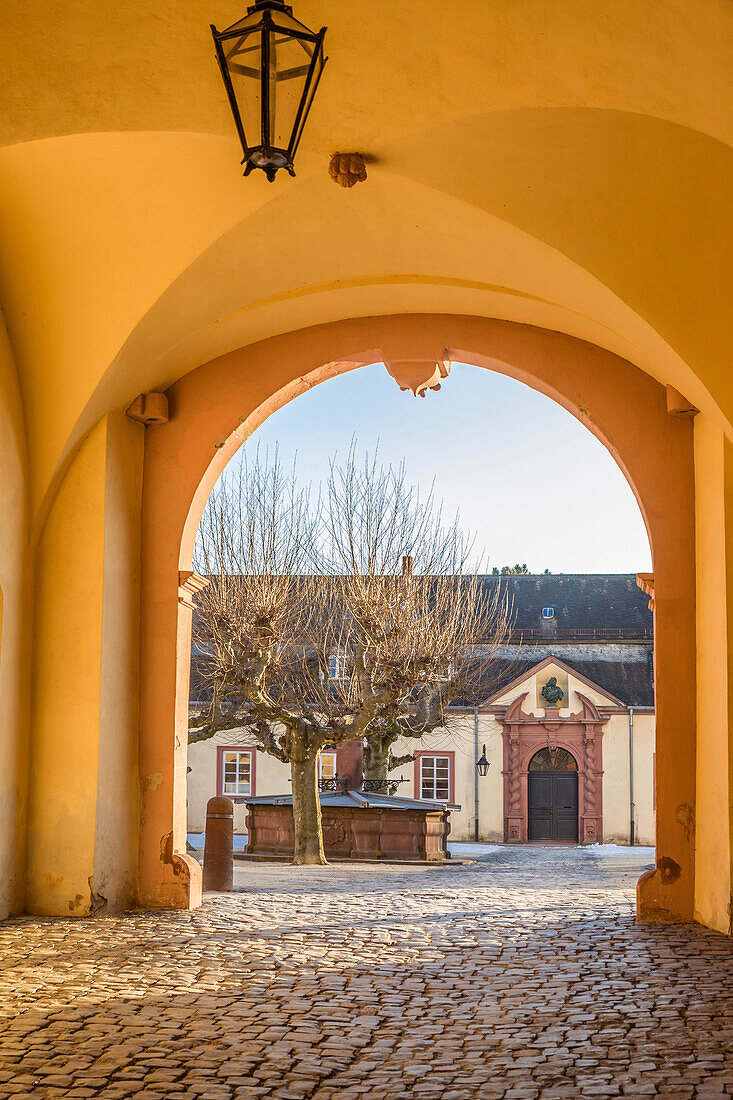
x=14 y=616
x=69 y=576
x=713 y=501
x=726 y=808
x=83 y=818
x=117 y=805
x=201 y=782
x=491 y=786
x=271 y=777
x=584 y=131
x=113 y=197
x=593 y=196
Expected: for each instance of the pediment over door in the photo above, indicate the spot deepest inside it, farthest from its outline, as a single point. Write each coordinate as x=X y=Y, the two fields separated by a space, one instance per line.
x=523 y=695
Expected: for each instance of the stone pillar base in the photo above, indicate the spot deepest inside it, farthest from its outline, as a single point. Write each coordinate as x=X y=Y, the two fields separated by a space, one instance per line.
x=178 y=885
x=658 y=893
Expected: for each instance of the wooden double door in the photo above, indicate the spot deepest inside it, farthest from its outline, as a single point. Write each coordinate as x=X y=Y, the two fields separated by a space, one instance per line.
x=553 y=805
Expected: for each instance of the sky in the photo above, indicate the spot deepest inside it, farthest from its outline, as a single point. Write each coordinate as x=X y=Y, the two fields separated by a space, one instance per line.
x=528 y=480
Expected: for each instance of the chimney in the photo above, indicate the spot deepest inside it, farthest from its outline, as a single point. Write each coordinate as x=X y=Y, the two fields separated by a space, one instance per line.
x=407 y=566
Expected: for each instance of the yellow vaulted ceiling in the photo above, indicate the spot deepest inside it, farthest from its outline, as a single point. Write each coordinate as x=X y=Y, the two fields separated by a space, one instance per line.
x=557 y=162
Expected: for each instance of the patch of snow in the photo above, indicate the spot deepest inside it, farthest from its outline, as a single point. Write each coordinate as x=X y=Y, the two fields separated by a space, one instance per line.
x=638 y=851
x=196 y=840
x=472 y=850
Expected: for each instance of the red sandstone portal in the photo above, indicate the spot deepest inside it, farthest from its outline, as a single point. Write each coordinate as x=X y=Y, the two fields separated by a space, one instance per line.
x=216 y=407
x=581 y=735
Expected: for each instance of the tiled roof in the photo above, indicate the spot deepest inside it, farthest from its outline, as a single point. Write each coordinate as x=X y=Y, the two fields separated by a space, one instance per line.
x=606 y=602
x=626 y=671
x=580 y=600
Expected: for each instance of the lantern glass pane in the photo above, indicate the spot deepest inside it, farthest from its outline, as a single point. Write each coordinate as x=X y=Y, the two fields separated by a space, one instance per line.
x=290 y=60
x=244 y=60
x=310 y=93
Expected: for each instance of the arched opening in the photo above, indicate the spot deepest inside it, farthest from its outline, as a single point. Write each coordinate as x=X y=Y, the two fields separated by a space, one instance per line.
x=518 y=468
x=553 y=796
x=216 y=407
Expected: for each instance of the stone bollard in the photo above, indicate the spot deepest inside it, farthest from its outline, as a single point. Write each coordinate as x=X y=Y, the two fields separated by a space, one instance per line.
x=219 y=844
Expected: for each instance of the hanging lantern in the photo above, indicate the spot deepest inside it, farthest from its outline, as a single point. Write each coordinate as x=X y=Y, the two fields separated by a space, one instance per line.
x=483 y=764
x=271 y=65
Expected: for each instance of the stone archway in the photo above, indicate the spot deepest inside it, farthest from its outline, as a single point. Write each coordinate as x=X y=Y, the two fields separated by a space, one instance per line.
x=580 y=734
x=217 y=406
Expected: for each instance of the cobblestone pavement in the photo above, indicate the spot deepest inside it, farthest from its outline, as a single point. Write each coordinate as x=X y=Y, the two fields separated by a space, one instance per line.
x=521 y=975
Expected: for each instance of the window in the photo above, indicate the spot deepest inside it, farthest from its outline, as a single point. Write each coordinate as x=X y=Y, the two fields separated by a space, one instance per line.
x=435 y=777
x=548 y=612
x=327 y=765
x=236 y=772
x=337 y=667
x=553 y=760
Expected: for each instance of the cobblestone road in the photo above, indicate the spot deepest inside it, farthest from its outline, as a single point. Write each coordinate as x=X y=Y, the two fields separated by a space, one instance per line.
x=522 y=975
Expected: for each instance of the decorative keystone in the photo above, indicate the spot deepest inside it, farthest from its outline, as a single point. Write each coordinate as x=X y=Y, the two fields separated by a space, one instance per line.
x=417 y=375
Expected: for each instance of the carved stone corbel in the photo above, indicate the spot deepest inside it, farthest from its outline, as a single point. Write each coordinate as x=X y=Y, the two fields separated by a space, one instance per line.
x=189 y=585
x=645 y=582
x=149 y=408
x=679 y=405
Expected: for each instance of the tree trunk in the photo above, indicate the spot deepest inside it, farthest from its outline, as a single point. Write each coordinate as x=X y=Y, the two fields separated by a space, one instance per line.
x=307 y=810
x=376 y=756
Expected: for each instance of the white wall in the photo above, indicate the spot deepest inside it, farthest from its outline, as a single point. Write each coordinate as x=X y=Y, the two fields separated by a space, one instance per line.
x=616 y=808
x=459 y=738
x=272 y=777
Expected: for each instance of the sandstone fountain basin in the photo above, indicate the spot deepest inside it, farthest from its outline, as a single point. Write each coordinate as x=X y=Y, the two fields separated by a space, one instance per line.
x=357 y=825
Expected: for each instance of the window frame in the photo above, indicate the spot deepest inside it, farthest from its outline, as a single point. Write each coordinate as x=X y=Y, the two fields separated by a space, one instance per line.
x=551 y=615
x=327 y=752
x=451 y=755
x=220 y=750
x=338 y=663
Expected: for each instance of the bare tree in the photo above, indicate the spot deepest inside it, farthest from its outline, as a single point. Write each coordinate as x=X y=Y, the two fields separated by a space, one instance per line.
x=313 y=630
x=255 y=629
x=424 y=628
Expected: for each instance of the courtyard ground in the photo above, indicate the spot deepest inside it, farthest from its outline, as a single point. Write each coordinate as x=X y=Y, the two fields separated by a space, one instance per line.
x=523 y=974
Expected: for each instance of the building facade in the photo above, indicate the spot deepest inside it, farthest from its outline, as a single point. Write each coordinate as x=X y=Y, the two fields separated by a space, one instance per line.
x=579 y=771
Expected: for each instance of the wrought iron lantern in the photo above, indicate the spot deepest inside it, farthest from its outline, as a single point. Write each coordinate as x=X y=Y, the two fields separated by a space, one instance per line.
x=271 y=65
x=482 y=763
